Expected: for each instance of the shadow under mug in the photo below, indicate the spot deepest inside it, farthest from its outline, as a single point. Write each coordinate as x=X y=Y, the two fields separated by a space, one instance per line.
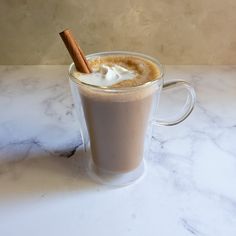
x=116 y=123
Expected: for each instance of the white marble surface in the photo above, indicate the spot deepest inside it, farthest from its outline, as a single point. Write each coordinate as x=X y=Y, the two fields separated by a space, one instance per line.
x=190 y=186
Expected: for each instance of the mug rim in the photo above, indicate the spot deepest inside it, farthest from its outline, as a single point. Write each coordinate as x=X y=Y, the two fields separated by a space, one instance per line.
x=119 y=89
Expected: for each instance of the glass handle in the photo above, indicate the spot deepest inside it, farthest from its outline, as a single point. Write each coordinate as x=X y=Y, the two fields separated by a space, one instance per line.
x=187 y=107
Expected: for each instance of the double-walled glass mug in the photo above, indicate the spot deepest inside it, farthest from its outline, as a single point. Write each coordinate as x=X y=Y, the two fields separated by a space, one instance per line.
x=116 y=123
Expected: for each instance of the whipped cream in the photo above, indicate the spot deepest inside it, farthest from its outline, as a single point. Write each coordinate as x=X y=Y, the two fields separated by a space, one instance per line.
x=106 y=75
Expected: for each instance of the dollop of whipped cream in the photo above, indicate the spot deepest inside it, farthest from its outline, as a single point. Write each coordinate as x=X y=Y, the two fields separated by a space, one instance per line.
x=106 y=75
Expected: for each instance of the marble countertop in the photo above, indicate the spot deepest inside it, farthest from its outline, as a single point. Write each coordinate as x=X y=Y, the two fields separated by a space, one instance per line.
x=189 y=187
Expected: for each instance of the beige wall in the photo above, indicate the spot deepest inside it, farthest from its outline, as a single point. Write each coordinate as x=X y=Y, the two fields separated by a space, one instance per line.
x=175 y=31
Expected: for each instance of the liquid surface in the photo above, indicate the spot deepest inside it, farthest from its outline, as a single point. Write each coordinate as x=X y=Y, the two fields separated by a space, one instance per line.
x=119 y=71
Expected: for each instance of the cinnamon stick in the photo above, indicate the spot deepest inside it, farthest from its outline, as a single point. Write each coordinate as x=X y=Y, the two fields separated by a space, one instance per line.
x=84 y=58
x=75 y=51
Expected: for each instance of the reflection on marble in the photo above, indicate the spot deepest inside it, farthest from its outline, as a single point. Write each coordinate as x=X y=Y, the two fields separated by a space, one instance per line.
x=189 y=188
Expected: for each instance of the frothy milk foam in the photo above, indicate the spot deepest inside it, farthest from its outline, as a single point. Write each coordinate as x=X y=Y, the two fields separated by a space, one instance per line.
x=110 y=71
x=107 y=75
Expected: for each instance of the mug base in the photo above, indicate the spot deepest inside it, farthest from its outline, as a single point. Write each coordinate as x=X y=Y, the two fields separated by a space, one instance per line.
x=115 y=179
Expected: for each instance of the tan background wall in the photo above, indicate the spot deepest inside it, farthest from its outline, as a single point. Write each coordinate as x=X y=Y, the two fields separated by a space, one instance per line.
x=175 y=31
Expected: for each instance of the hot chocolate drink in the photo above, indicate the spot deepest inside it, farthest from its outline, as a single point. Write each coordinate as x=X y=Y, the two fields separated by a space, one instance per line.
x=117 y=101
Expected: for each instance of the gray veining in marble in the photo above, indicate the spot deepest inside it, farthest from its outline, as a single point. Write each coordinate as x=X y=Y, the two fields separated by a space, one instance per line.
x=189 y=188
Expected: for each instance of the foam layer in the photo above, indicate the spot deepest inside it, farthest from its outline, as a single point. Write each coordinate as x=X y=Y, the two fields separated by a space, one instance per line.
x=106 y=75
x=119 y=71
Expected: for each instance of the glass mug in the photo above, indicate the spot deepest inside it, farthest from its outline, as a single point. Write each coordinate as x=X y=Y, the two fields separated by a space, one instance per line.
x=116 y=123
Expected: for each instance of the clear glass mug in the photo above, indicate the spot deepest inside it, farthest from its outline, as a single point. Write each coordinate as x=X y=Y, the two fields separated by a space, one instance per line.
x=116 y=123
